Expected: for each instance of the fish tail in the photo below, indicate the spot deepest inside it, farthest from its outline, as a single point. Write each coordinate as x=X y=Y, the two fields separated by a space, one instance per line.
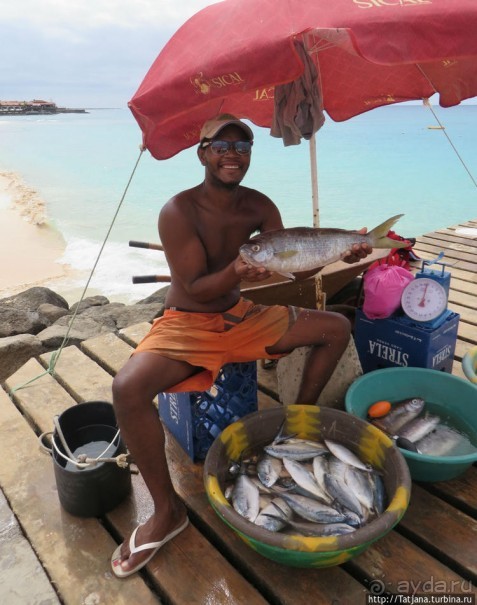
x=378 y=235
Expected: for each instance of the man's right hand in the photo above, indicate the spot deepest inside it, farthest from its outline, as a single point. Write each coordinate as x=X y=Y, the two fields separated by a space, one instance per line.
x=250 y=273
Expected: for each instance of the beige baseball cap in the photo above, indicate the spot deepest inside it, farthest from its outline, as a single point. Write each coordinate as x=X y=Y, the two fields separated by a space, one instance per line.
x=212 y=127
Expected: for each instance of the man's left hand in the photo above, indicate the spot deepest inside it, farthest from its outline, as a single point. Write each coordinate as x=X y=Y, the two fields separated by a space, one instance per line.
x=358 y=251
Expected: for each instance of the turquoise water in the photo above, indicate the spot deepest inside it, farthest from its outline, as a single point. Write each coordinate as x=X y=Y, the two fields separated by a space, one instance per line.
x=382 y=163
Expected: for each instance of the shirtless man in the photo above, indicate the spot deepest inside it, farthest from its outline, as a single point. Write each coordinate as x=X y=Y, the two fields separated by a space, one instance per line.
x=207 y=324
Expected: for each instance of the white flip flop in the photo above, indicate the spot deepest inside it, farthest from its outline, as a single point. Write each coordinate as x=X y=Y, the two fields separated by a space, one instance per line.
x=154 y=546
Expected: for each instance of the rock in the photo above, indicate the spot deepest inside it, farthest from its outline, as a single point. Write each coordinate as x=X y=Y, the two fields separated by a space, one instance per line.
x=41 y=312
x=15 y=321
x=17 y=350
x=105 y=314
x=135 y=314
x=159 y=296
x=52 y=337
x=31 y=299
x=122 y=315
x=90 y=301
x=50 y=313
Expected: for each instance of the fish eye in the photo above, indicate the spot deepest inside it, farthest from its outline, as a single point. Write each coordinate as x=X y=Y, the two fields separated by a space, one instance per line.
x=256 y=248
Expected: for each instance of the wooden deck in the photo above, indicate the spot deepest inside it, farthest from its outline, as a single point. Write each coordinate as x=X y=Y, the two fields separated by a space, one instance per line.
x=48 y=556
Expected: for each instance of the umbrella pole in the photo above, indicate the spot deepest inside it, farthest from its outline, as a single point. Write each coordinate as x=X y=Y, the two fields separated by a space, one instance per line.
x=314 y=181
x=319 y=294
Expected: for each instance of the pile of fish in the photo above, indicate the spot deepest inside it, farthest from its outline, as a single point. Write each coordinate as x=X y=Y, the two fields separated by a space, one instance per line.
x=414 y=428
x=306 y=487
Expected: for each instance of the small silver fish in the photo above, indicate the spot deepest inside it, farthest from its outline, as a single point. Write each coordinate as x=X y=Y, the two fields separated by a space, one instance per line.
x=360 y=484
x=287 y=251
x=346 y=455
x=305 y=480
x=313 y=530
x=401 y=413
x=274 y=516
x=341 y=493
x=379 y=491
x=246 y=498
x=268 y=469
x=313 y=510
x=295 y=449
x=320 y=467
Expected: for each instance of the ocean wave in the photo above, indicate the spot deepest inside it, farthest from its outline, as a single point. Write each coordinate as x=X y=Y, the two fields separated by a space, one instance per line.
x=25 y=200
x=111 y=272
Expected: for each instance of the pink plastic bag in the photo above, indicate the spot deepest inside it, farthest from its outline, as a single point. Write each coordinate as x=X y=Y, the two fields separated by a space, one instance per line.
x=383 y=286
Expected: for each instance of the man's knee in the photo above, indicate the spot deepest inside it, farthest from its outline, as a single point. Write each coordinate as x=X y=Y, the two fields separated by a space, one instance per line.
x=122 y=386
x=341 y=328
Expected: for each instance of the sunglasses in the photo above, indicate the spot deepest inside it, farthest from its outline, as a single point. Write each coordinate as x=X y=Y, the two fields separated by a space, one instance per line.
x=221 y=147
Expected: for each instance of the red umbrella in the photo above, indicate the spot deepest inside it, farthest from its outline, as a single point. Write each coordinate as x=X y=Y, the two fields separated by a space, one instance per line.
x=238 y=56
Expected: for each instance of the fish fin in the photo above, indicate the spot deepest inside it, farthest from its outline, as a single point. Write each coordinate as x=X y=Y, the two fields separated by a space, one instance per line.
x=286 y=254
x=289 y=275
x=379 y=237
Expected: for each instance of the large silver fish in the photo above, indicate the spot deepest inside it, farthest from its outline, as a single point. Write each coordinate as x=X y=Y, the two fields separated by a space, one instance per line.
x=419 y=427
x=288 y=251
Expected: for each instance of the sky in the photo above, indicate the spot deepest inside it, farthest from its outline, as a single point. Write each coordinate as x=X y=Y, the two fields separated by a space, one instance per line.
x=84 y=53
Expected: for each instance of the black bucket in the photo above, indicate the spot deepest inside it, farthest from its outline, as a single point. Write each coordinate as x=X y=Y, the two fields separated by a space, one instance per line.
x=97 y=489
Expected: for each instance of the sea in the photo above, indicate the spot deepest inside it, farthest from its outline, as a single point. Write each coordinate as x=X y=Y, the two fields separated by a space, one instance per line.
x=99 y=191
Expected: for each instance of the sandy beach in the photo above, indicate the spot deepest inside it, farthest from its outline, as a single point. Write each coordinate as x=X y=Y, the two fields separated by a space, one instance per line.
x=29 y=247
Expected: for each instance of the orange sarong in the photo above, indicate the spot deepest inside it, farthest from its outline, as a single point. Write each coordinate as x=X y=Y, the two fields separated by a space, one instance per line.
x=210 y=340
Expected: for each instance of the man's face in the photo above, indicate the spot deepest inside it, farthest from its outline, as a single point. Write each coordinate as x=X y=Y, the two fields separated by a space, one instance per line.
x=228 y=169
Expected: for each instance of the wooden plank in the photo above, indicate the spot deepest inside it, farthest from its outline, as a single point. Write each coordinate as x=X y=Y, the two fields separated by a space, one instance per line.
x=459 y=285
x=81 y=376
x=108 y=351
x=134 y=334
x=466 y=314
x=445 y=532
x=458 y=259
x=395 y=565
x=40 y=400
x=24 y=581
x=449 y=235
x=461 y=298
x=467 y=332
x=75 y=552
x=461 y=491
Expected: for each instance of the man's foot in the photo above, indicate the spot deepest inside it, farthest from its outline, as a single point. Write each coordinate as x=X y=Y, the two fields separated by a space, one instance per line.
x=131 y=556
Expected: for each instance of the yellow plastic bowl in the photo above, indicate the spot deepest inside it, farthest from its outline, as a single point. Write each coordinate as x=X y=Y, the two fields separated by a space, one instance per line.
x=256 y=430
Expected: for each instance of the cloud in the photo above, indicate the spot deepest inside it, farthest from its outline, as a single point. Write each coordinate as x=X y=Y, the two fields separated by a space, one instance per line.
x=91 y=53
x=77 y=14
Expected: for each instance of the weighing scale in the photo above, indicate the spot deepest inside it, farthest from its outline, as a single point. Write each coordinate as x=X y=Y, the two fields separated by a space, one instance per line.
x=424 y=299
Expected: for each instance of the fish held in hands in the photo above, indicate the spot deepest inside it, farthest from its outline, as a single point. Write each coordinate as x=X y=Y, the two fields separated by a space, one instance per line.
x=288 y=251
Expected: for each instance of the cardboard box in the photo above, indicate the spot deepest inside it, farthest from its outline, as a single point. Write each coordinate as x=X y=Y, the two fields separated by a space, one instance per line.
x=196 y=419
x=396 y=341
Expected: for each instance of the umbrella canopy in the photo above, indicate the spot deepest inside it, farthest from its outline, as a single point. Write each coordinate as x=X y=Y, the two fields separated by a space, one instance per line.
x=237 y=57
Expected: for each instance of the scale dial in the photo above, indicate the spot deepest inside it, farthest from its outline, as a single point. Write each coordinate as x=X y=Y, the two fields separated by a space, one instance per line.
x=424 y=299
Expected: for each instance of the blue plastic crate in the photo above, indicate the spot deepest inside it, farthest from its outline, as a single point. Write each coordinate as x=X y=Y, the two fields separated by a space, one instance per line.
x=395 y=341
x=197 y=418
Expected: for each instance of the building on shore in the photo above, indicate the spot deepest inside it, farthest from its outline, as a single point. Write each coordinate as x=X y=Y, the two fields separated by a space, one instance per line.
x=34 y=107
